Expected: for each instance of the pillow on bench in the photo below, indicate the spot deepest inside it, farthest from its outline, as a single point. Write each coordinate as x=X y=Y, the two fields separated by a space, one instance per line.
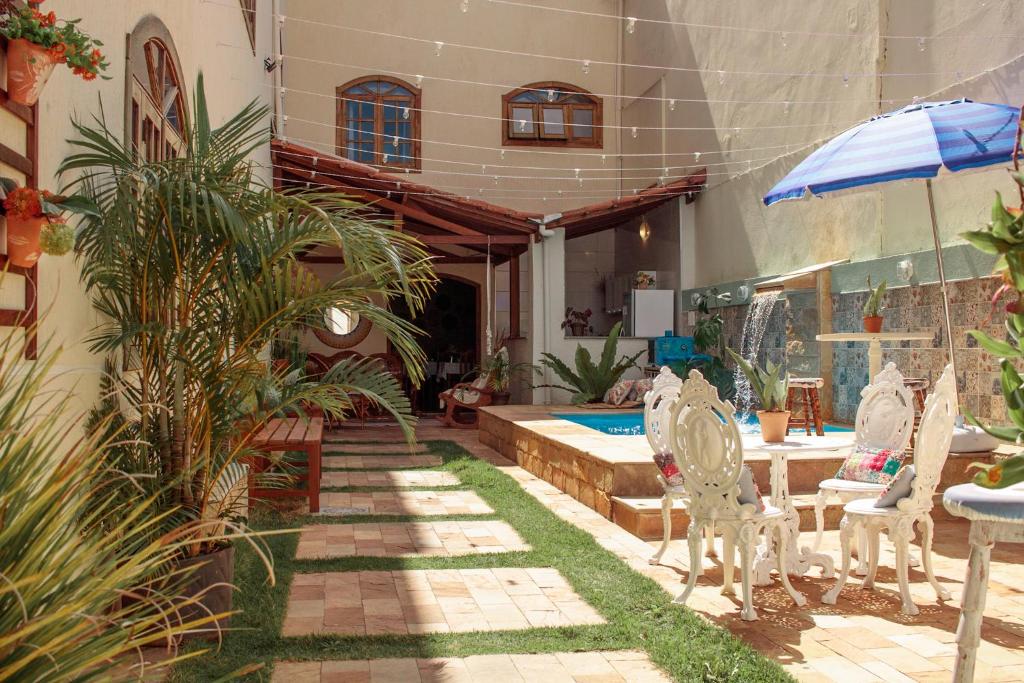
x=871 y=465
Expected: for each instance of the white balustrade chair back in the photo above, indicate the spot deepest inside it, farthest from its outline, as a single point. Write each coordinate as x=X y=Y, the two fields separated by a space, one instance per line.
x=898 y=520
x=658 y=404
x=708 y=450
x=885 y=420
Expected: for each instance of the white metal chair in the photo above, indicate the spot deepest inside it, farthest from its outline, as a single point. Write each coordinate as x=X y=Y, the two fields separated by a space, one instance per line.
x=885 y=419
x=930 y=451
x=708 y=450
x=658 y=403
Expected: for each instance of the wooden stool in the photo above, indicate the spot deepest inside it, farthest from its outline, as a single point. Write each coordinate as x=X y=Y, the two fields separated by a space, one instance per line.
x=803 y=394
x=919 y=386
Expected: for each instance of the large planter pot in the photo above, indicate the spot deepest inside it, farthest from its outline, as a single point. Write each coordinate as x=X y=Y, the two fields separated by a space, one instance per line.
x=23 y=240
x=28 y=68
x=499 y=398
x=773 y=425
x=212 y=580
x=873 y=323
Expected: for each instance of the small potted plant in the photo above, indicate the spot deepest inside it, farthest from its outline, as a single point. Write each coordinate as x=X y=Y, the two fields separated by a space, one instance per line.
x=577 y=322
x=771 y=386
x=643 y=280
x=873 y=307
x=36 y=43
x=34 y=223
x=500 y=371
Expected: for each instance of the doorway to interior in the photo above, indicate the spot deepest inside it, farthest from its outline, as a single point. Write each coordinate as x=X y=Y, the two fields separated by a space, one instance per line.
x=450 y=322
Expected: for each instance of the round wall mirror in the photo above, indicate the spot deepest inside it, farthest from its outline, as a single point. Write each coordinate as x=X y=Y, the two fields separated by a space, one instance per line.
x=342 y=329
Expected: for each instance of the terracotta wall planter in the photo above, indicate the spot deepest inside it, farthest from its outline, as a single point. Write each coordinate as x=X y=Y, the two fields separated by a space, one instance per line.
x=773 y=425
x=28 y=68
x=23 y=240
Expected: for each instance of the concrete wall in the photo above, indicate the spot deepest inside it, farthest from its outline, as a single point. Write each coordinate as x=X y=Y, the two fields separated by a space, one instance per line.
x=208 y=36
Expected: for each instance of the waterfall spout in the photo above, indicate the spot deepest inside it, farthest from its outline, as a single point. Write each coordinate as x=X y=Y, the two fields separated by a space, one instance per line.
x=761 y=306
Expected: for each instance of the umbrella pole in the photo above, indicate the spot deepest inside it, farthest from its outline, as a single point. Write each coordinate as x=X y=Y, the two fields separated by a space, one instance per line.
x=942 y=276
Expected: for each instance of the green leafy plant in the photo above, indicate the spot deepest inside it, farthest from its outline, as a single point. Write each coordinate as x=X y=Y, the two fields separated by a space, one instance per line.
x=709 y=340
x=192 y=263
x=590 y=382
x=771 y=385
x=873 y=306
x=62 y=38
x=501 y=370
x=1004 y=238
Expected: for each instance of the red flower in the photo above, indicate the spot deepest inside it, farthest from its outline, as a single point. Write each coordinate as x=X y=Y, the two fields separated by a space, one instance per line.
x=88 y=75
x=51 y=18
x=23 y=202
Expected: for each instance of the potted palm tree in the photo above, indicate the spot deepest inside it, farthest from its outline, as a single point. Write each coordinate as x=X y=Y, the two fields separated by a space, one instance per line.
x=193 y=264
x=873 y=307
x=501 y=371
x=771 y=385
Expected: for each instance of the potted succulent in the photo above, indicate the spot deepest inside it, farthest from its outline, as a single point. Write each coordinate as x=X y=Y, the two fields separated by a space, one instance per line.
x=37 y=42
x=577 y=322
x=772 y=388
x=643 y=280
x=873 y=307
x=34 y=223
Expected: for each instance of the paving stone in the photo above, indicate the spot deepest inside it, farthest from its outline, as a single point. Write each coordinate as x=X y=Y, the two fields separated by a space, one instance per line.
x=576 y=667
x=424 y=503
x=431 y=601
x=390 y=478
x=375 y=448
x=380 y=462
x=409 y=539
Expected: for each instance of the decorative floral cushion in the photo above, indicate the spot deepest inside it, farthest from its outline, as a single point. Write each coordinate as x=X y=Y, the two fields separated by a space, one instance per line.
x=640 y=389
x=749 y=493
x=619 y=393
x=898 y=488
x=666 y=462
x=871 y=465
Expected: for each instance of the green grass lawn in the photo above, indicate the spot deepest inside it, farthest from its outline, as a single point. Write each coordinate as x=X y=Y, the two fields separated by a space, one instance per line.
x=640 y=614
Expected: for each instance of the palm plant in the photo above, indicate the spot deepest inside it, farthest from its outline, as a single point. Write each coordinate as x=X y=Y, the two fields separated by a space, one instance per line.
x=73 y=605
x=590 y=382
x=193 y=264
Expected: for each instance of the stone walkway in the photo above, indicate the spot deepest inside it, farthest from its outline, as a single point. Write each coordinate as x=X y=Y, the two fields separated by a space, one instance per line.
x=411 y=539
x=390 y=478
x=369 y=462
x=419 y=503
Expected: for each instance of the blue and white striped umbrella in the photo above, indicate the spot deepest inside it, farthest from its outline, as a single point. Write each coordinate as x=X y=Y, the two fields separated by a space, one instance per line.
x=912 y=142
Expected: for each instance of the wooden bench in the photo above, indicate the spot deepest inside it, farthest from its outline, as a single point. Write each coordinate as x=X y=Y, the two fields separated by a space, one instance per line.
x=290 y=434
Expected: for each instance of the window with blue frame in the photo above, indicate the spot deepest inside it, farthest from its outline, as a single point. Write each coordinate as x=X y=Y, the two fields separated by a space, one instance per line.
x=378 y=121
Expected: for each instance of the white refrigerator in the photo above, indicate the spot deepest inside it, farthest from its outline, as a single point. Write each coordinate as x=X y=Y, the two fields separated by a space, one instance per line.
x=649 y=312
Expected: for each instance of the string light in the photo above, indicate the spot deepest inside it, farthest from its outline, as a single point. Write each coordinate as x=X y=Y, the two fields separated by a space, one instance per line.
x=630 y=25
x=405 y=113
x=721 y=77
x=921 y=44
x=785 y=39
x=394 y=141
x=464 y=6
x=696 y=157
x=635 y=132
x=419 y=80
x=502 y=154
x=846 y=80
x=671 y=105
x=438 y=46
x=586 y=66
x=551 y=95
x=785 y=109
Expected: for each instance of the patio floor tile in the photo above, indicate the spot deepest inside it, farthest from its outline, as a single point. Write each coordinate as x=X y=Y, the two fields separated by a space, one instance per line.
x=403 y=503
x=424 y=539
x=429 y=601
x=390 y=478
x=576 y=667
x=379 y=462
x=375 y=448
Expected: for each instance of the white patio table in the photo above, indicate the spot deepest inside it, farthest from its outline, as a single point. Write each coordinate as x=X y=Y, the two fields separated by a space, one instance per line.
x=799 y=560
x=874 y=340
x=995 y=515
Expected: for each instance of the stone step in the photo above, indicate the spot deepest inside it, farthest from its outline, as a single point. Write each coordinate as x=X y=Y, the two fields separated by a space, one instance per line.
x=395 y=479
x=432 y=601
x=418 y=503
x=408 y=539
x=621 y=665
x=641 y=516
x=391 y=448
x=379 y=462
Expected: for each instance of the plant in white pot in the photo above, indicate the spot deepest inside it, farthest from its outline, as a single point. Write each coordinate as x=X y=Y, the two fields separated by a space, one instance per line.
x=772 y=387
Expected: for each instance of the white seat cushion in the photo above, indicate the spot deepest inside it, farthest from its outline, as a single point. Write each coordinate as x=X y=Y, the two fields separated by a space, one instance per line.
x=866 y=507
x=846 y=485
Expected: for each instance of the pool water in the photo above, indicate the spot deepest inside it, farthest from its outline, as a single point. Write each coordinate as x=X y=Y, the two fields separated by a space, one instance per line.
x=632 y=423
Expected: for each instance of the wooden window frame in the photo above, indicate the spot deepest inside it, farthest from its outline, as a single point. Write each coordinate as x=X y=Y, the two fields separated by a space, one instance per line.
x=512 y=138
x=249 y=17
x=380 y=141
x=152 y=134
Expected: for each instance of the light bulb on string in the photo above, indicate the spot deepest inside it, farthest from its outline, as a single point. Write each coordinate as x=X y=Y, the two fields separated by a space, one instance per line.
x=785 y=39
x=464 y=6
x=696 y=156
x=635 y=132
x=581 y=182
x=501 y=154
x=721 y=77
x=630 y=25
x=785 y=107
x=560 y=193
x=551 y=95
x=604 y=157
x=419 y=80
x=671 y=105
x=483 y=168
x=495 y=180
x=438 y=46
x=577 y=171
x=521 y=125
x=846 y=80
x=921 y=44
x=586 y=66
x=386 y=157
x=405 y=113
x=667 y=172
x=394 y=141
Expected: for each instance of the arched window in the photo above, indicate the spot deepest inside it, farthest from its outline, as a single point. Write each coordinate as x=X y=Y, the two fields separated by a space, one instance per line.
x=156 y=106
x=552 y=114
x=379 y=122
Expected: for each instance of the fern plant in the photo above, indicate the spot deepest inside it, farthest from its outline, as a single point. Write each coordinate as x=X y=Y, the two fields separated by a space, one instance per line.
x=771 y=384
x=590 y=382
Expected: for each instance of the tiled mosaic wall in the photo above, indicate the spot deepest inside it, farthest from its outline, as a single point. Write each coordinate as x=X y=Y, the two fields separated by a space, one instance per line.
x=919 y=309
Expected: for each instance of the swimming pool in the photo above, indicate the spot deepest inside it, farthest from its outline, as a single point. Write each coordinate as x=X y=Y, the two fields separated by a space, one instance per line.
x=632 y=423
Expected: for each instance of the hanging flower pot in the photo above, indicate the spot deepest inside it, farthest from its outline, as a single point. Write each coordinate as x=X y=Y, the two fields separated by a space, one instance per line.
x=28 y=68
x=23 y=240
